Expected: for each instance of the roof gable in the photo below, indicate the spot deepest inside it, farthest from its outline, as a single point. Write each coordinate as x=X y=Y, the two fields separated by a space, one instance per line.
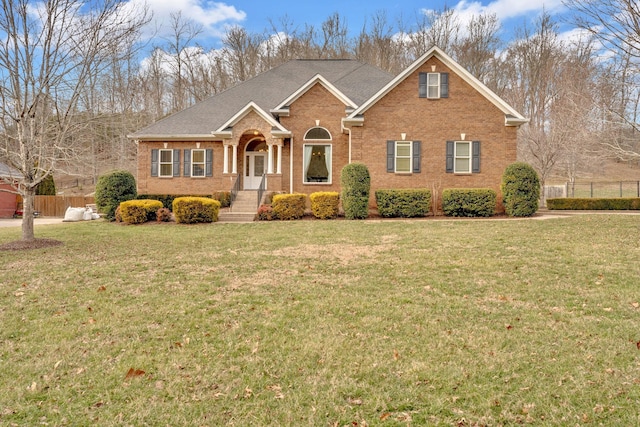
x=512 y=117
x=250 y=107
x=283 y=107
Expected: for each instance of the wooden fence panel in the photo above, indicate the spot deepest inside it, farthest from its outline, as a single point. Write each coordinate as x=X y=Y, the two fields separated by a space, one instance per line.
x=57 y=205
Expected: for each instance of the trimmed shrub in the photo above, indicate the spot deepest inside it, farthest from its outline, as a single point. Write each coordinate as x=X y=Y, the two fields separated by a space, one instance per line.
x=324 y=204
x=112 y=189
x=163 y=215
x=356 y=187
x=407 y=203
x=192 y=210
x=139 y=211
x=289 y=206
x=520 y=190
x=224 y=197
x=474 y=202
x=621 y=204
x=265 y=213
x=117 y=215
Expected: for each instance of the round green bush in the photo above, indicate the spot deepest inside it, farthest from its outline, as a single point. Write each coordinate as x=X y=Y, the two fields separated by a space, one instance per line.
x=520 y=190
x=356 y=186
x=112 y=189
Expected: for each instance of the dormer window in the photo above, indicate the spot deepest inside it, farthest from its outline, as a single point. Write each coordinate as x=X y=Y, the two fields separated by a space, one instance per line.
x=433 y=85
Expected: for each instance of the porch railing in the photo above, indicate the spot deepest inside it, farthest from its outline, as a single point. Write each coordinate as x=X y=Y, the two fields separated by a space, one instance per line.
x=261 y=188
x=235 y=189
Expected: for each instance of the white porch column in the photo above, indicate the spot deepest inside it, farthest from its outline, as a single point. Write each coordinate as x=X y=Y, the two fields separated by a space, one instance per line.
x=279 y=164
x=234 y=159
x=270 y=158
x=225 y=164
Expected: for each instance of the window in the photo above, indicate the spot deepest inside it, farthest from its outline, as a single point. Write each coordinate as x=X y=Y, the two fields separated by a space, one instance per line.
x=433 y=85
x=166 y=162
x=317 y=163
x=463 y=156
x=317 y=133
x=403 y=156
x=197 y=162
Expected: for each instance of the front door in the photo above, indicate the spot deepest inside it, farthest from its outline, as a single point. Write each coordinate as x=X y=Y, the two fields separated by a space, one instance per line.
x=254 y=168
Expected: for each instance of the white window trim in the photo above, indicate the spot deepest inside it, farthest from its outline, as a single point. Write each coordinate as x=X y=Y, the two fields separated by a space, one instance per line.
x=456 y=157
x=436 y=85
x=203 y=163
x=410 y=157
x=322 y=142
x=161 y=163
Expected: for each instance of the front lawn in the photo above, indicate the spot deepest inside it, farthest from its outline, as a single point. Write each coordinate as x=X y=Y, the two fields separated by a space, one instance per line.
x=324 y=323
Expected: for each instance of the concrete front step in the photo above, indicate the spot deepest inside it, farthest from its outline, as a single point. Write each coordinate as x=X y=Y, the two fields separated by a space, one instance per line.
x=236 y=216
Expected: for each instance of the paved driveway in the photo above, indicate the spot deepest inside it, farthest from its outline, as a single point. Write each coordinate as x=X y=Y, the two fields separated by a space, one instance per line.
x=17 y=222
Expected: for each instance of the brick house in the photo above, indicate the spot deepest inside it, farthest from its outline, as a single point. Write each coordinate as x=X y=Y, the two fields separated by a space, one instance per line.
x=433 y=126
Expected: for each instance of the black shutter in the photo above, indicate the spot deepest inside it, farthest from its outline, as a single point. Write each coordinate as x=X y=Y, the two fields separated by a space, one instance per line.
x=422 y=85
x=416 y=156
x=176 y=162
x=209 y=162
x=154 y=162
x=450 y=148
x=391 y=156
x=187 y=162
x=444 y=85
x=475 y=156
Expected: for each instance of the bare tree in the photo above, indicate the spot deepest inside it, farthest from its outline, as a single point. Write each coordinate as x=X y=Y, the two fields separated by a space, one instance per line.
x=376 y=45
x=616 y=25
x=48 y=52
x=477 y=47
x=181 y=55
x=334 y=42
x=434 y=28
x=534 y=63
x=241 y=50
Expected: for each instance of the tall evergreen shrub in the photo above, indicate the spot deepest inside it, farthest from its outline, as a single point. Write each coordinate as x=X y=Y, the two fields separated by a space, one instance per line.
x=356 y=186
x=112 y=189
x=520 y=190
x=47 y=187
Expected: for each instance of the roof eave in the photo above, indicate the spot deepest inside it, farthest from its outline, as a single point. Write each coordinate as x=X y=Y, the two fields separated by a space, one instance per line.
x=175 y=137
x=514 y=121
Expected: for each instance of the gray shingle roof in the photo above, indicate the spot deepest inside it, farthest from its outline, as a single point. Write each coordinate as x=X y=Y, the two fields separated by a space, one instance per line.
x=8 y=171
x=355 y=79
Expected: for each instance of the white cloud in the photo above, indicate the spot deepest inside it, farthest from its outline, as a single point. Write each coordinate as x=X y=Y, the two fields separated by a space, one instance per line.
x=211 y=15
x=507 y=9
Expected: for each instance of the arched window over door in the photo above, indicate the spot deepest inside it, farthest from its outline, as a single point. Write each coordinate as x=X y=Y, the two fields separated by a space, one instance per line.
x=317 y=156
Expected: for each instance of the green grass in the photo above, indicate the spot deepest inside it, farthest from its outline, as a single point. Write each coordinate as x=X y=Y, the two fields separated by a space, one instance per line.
x=324 y=323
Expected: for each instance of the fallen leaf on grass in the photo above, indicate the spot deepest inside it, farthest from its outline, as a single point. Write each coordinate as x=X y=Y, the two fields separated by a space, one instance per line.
x=396 y=355
x=134 y=373
x=102 y=289
x=385 y=416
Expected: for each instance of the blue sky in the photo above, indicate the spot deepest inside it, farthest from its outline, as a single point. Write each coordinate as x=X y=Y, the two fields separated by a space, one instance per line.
x=254 y=15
